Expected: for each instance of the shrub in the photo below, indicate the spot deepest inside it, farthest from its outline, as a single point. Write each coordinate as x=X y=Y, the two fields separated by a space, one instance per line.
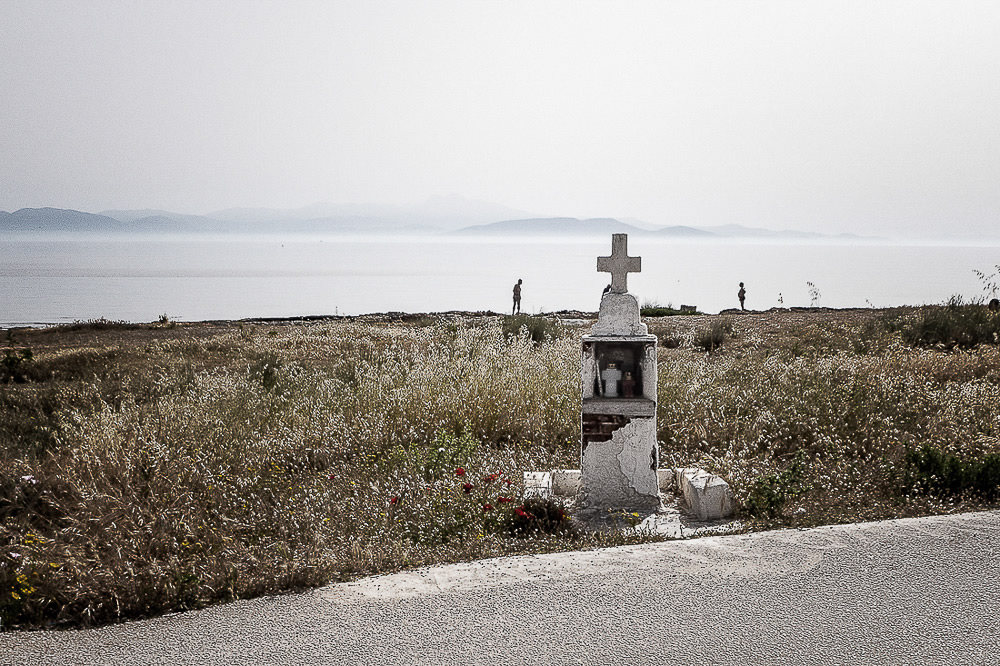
x=669 y=341
x=546 y=515
x=767 y=496
x=709 y=338
x=955 y=324
x=539 y=329
x=13 y=365
x=931 y=470
x=665 y=312
x=654 y=309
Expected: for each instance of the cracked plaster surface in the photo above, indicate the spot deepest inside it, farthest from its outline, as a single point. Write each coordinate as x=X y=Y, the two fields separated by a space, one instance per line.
x=622 y=472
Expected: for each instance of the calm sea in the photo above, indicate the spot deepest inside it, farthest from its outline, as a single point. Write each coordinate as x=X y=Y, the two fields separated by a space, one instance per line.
x=233 y=277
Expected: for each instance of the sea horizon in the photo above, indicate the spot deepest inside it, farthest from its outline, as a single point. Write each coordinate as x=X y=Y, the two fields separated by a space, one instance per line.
x=196 y=277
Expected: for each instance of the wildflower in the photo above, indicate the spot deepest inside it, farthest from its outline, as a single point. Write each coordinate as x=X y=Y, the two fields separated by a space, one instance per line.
x=522 y=513
x=467 y=488
x=487 y=507
x=460 y=471
x=503 y=498
x=333 y=476
x=394 y=499
x=508 y=481
x=29 y=479
x=490 y=478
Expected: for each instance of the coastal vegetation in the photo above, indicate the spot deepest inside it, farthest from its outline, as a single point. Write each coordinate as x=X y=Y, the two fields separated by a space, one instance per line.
x=166 y=466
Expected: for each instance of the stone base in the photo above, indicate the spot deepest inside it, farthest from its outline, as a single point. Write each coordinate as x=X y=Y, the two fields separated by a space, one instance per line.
x=672 y=518
x=704 y=495
x=620 y=473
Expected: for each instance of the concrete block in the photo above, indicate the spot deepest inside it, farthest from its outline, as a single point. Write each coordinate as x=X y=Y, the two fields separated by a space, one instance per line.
x=566 y=482
x=537 y=483
x=707 y=495
x=666 y=479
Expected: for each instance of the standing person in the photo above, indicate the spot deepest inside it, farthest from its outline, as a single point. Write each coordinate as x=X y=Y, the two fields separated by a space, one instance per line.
x=742 y=295
x=517 y=299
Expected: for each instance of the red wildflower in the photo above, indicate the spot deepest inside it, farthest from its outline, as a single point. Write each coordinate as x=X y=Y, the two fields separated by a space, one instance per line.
x=394 y=500
x=504 y=498
x=460 y=471
x=487 y=507
x=507 y=481
x=490 y=477
x=467 y=487
x=333 y=476
x=522 y=513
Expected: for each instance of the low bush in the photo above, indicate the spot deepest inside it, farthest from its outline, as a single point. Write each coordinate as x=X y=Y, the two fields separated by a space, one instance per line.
x=767 y=495
x=931 y=470
x=664 y=312
x=953 y=325
x=669 y=341
x=539 y=329
x=655 y=309
x=14 y=365
x=709 y=338
x=545 y=515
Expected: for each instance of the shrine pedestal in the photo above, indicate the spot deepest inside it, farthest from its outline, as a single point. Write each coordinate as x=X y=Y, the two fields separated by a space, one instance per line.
x=619 y=456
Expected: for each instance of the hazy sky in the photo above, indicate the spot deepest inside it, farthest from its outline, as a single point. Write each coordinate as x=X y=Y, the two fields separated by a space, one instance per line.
x=872 y=117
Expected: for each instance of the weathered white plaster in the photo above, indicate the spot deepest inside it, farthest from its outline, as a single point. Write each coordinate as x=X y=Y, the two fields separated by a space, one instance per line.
x=537 y=483
x=708 y=496
x=588 y=371
x=648 y=368
x=566 y=482
x=619 y=315
x=621 y=472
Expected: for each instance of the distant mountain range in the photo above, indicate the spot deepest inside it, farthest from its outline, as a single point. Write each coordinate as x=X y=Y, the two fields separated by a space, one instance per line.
x=556 y=226
x=452 y=215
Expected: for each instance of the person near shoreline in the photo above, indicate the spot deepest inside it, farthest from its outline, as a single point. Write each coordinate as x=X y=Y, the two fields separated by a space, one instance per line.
x=742 y=296
x=517 y=299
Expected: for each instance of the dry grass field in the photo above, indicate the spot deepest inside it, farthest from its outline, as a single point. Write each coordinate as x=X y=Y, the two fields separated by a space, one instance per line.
x=160 y=467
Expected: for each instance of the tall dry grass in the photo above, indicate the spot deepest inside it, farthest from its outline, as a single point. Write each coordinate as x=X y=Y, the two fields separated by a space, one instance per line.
x=168 y=471
x=140 y=480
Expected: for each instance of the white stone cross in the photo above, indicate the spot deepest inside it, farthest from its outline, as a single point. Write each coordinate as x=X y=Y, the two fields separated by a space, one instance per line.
x=619 y=264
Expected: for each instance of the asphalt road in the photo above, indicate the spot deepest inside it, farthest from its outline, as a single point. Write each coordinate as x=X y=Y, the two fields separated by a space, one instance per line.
x=917 y=591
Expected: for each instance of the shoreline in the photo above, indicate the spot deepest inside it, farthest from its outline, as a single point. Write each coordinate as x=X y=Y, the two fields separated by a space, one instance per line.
x=406 y=317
